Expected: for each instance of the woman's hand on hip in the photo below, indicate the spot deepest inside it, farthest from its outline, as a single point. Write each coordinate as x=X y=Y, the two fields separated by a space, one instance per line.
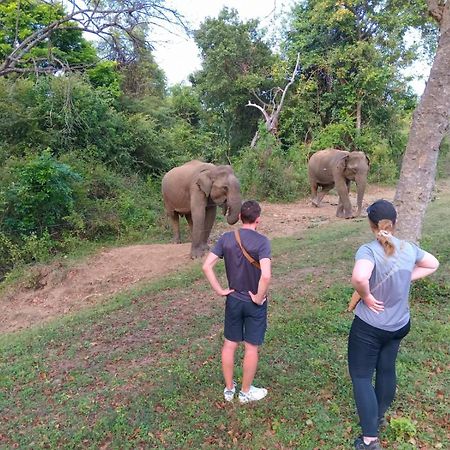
x=373 y=304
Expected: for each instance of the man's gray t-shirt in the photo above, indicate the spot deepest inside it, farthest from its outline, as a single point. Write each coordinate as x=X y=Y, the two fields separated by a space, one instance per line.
x=242 y=276
x=390 y=283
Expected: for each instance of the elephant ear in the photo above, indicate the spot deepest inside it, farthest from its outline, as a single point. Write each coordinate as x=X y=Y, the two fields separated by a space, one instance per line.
x=204 y=182
x=342 y=162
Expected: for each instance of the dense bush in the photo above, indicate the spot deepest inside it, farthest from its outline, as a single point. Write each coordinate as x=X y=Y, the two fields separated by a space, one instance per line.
x=49 y=205
x=39 y=197
x=268 y=172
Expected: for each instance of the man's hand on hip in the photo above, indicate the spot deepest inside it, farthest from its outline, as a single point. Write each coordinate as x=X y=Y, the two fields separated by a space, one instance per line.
x=256 y=299
x=225 y=292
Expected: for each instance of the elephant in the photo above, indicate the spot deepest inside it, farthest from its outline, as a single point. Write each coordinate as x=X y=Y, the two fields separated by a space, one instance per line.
x=336 y=168
x=194 y=190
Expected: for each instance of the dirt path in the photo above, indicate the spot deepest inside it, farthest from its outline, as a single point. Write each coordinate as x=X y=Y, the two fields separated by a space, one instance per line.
x=57 y=289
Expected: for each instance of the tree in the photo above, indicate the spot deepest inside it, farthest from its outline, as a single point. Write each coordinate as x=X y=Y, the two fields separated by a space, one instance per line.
x=351 y=55
x=429 y=126
x=236 y=62
x=112 y=21
x=272 y=111
x=19 y=19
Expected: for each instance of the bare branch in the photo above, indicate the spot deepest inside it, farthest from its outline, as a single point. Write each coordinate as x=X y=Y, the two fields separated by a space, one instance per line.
x=260 y=99
x=90 y=16
x=264 y=112
x=294 y=73
x=272 y=118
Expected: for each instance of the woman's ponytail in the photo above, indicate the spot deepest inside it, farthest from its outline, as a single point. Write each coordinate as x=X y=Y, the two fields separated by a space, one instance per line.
x=384 y=236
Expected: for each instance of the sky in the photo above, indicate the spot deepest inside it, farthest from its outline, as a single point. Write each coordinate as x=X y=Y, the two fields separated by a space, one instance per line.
x=178 y=55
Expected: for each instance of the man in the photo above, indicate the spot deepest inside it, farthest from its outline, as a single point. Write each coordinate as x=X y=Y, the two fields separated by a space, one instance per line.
x=246 y=303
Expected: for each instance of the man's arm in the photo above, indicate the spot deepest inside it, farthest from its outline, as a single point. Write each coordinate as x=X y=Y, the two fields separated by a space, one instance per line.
x=208 y=269
x=266 y=274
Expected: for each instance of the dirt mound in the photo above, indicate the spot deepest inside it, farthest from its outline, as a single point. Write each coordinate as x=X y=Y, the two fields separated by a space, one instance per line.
x=57 y=289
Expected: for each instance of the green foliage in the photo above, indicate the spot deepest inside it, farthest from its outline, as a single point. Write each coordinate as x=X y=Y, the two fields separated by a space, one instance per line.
x=267 y=172
x=40 y=195
x=142 y=77
x=236 y=62
x=69 y=114
x=430 y=290
x=20 y=19
x=49 y=206
x=352 y=55
x=402 y=429
x=105 y=75
x=443 y=168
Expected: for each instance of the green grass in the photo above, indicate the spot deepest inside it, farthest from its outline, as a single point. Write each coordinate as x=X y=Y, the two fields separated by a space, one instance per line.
x=143 y=370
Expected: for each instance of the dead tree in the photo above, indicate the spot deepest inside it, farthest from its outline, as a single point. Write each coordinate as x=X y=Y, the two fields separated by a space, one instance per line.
x=429 y=126
x=109 y=21
x=271 y=111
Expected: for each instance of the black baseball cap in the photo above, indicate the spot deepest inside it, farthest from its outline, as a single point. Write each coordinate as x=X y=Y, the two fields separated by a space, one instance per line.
x=381 y=209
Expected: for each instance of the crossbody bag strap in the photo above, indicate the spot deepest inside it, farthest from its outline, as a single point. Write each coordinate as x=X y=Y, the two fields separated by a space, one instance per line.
x=249 y=258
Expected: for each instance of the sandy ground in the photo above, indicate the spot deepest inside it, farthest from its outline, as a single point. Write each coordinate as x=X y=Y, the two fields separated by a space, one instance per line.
x=59 y=289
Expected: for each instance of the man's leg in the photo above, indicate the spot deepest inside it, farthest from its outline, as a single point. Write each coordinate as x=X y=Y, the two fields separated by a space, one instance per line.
x=228 y=349
x=249 y=365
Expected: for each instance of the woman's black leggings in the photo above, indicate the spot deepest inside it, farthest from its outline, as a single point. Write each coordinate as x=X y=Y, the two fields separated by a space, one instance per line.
x=371 y=349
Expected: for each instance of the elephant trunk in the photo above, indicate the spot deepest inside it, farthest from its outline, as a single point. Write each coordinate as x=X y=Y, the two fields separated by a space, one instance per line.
x=234 y=204
x=361 y=187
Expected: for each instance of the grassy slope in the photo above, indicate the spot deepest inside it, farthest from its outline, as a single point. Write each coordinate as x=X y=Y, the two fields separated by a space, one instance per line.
x=143 y=371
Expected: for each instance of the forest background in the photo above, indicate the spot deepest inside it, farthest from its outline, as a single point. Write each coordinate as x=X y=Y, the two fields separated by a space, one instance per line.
x=87 y=128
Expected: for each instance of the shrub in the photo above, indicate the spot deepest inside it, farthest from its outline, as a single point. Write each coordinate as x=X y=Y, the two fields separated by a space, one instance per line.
x=40 y=196
x=402 y=429
x=266 y=172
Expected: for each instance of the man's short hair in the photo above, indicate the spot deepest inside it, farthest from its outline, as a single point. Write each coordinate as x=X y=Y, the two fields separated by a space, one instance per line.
x=250 y=211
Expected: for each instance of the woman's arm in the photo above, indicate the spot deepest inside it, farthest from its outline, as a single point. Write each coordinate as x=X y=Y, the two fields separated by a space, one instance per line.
x=426 y=266
x=362 y=271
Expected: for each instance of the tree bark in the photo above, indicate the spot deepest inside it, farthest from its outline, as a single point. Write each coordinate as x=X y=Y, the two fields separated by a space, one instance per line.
x=358 y=115
x=429 y=125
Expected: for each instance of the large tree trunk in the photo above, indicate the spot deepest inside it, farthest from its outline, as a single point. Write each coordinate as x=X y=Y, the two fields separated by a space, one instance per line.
x=430 y=122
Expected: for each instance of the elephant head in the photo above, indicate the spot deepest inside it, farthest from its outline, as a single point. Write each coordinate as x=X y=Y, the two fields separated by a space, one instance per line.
x=221 y=187
x=356 y=169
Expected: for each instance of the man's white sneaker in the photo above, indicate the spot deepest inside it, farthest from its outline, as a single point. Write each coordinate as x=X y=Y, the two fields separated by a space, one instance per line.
x=254 y=394
x=229 y=393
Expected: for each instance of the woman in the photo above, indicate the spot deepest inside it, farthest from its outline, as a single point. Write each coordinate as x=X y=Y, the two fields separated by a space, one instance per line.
x=383 y=271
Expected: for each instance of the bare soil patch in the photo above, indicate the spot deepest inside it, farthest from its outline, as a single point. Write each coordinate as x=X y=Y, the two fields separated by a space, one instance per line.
x=57 y=289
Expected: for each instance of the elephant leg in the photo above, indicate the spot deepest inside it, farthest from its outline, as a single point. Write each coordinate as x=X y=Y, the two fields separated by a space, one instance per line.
x=175 y=221
x=198 y=216
x=344 y=209
x=189 y=221
x=314 y=187
x=210 y=218
x=324 y=191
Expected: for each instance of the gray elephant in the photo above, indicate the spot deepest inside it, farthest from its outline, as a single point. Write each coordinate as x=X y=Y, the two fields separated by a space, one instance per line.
x=194 y=190
x=336 y=168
